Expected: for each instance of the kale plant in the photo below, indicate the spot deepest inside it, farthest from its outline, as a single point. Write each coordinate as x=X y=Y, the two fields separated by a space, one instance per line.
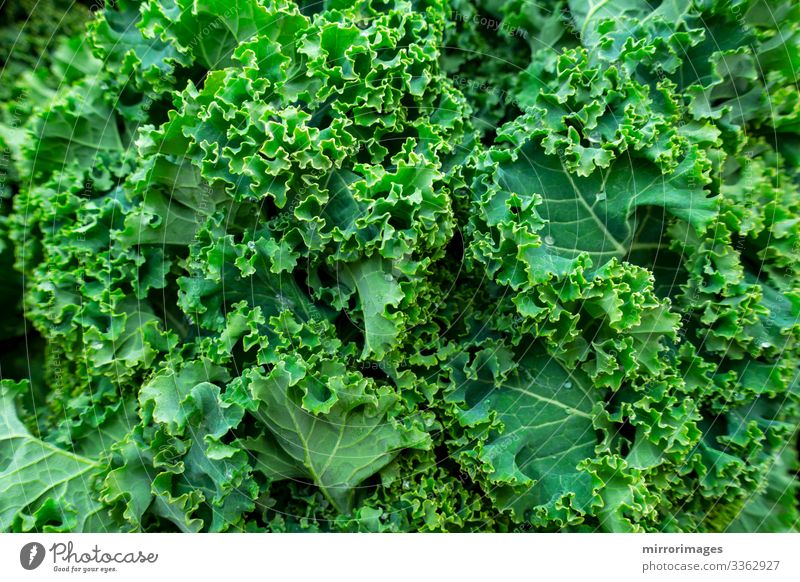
x=401 y=265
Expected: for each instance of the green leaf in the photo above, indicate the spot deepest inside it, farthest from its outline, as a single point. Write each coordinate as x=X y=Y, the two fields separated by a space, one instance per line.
x=773 y=508
x=541 y=430
x=45 y=488
x=336 y=450
x=593 y=214
x=378 y=291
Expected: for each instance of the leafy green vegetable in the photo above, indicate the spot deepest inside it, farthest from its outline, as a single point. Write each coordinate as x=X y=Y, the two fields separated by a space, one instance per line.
x=411 y=265
x=44 y=484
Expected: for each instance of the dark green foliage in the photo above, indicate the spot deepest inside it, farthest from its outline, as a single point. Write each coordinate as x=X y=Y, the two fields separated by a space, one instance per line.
x=402 y=266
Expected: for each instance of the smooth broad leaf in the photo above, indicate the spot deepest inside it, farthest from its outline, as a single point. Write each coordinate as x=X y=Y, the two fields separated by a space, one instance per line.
x=337 y=450
x=774 y=508
x=546 y=415
x=593 y=215
x=78 y=129
x=175 y=202
x=589 y=14
x=43 y=484
x=378 y=290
